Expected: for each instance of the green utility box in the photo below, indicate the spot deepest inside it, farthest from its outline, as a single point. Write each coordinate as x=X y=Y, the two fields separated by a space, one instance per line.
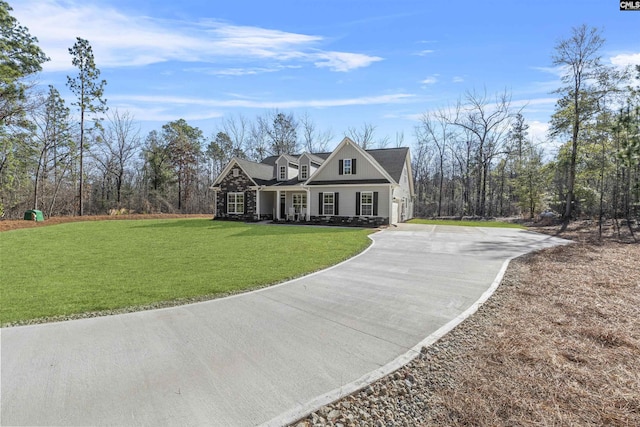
x=33 y=215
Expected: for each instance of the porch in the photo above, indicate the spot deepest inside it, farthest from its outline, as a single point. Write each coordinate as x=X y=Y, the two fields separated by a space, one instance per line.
x=284 y=204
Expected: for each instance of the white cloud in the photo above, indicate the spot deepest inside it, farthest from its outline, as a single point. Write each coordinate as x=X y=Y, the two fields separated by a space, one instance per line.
x=430 y=80
x=249 y=103
x=425 y=52
x=343 y=61
x=457 y=79
x=624 y=59
x=538 y=130
x=120 y=40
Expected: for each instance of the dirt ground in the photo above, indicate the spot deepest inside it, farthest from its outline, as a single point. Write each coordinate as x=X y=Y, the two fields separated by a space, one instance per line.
x=6 y=225
x=558 y=344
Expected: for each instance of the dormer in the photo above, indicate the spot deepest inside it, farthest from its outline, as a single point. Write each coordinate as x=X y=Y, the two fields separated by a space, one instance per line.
x=308 y=164
x=286 y=167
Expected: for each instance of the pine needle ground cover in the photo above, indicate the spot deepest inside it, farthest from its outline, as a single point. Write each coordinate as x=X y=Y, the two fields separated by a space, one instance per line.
x=66 y=270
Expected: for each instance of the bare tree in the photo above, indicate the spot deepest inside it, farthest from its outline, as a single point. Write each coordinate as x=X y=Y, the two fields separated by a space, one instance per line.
x=118 y=142
x=236 y=128
x=437 y=130
x=488 y=123
x=314 y=141
x=363 y=136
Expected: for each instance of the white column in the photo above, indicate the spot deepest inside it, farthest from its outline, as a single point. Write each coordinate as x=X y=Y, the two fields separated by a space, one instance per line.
x=277 y=206
x=215 y=204
x=258 y=203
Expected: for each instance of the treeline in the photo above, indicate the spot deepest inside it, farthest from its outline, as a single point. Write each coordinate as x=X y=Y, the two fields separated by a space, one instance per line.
x=472 y=158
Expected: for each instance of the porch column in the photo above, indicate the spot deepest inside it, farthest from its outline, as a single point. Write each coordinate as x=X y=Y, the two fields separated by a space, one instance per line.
x=390 y=204
x=277 y=205
x=258 y=203
x=308 y=214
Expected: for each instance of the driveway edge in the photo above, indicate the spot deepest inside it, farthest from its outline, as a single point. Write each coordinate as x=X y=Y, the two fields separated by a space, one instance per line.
x=307 y=408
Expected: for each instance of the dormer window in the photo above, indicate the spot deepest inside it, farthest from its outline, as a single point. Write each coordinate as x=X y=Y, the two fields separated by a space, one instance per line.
x=282 y=174
x=304 y=171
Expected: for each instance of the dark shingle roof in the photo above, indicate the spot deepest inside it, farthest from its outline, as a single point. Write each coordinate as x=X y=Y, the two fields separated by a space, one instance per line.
x=391 y=159
x=257 y=171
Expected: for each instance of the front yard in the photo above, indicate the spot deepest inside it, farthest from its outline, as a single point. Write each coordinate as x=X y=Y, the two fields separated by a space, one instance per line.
x=101 y=267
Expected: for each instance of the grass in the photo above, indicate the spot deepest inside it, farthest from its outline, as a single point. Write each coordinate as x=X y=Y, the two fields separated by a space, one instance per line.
x=493 y=224
x=70 y=269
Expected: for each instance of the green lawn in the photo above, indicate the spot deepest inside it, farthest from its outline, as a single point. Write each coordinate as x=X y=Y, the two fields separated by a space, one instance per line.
x=496 y=224
x=92 y=266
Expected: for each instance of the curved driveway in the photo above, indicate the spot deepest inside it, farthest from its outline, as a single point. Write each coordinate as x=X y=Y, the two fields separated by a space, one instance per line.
x=263 y=357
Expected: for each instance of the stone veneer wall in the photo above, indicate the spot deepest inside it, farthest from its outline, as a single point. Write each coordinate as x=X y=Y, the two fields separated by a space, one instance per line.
x=238 y=184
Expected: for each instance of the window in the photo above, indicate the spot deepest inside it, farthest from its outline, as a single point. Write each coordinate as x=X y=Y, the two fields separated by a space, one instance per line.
x=327 y=203
x=346 y=167
x=236 y=172
x=235 y=203
x=299 y=202
x=304 y=172
x=366 y=203
x=283 y=173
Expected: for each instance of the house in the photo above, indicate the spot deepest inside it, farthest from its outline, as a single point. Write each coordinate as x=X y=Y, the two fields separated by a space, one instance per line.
x=349 y=186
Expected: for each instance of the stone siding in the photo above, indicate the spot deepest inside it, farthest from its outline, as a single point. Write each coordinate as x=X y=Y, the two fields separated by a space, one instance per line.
x=237 y=184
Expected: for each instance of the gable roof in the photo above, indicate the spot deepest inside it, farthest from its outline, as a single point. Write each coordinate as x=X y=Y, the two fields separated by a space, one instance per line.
x=314 y=158
x=259 y=173
x=346 y=141
x=391 y=159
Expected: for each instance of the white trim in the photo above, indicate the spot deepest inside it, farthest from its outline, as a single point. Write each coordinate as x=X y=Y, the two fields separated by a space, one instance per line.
x=333 y=203
x=362 y=193
x=226 y=170
x=367 y=156
x=235 y=202
x=344 y=166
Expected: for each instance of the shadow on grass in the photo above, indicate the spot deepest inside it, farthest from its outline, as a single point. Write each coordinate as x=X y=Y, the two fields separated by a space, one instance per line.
x=184 y=223
x=245 y=229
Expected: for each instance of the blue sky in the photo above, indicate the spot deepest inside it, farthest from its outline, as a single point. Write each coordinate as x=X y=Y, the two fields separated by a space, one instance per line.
x=343 y=62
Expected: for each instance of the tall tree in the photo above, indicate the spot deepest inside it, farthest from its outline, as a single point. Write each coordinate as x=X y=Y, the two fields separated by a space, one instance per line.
x=282 y=132
x=53 y=139
x=220 y=151
x=184 y=145
x=89 y=90
x=20 y=57
x=579 y=57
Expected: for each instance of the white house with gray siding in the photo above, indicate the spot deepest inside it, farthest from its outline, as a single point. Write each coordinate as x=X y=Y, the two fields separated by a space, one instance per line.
x=349 y=186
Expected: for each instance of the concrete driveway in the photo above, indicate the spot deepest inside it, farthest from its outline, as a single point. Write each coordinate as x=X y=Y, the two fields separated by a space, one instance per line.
x=265 y=357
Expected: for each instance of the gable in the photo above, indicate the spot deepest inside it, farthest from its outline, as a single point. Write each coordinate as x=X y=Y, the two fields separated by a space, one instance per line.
x=366 y=168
